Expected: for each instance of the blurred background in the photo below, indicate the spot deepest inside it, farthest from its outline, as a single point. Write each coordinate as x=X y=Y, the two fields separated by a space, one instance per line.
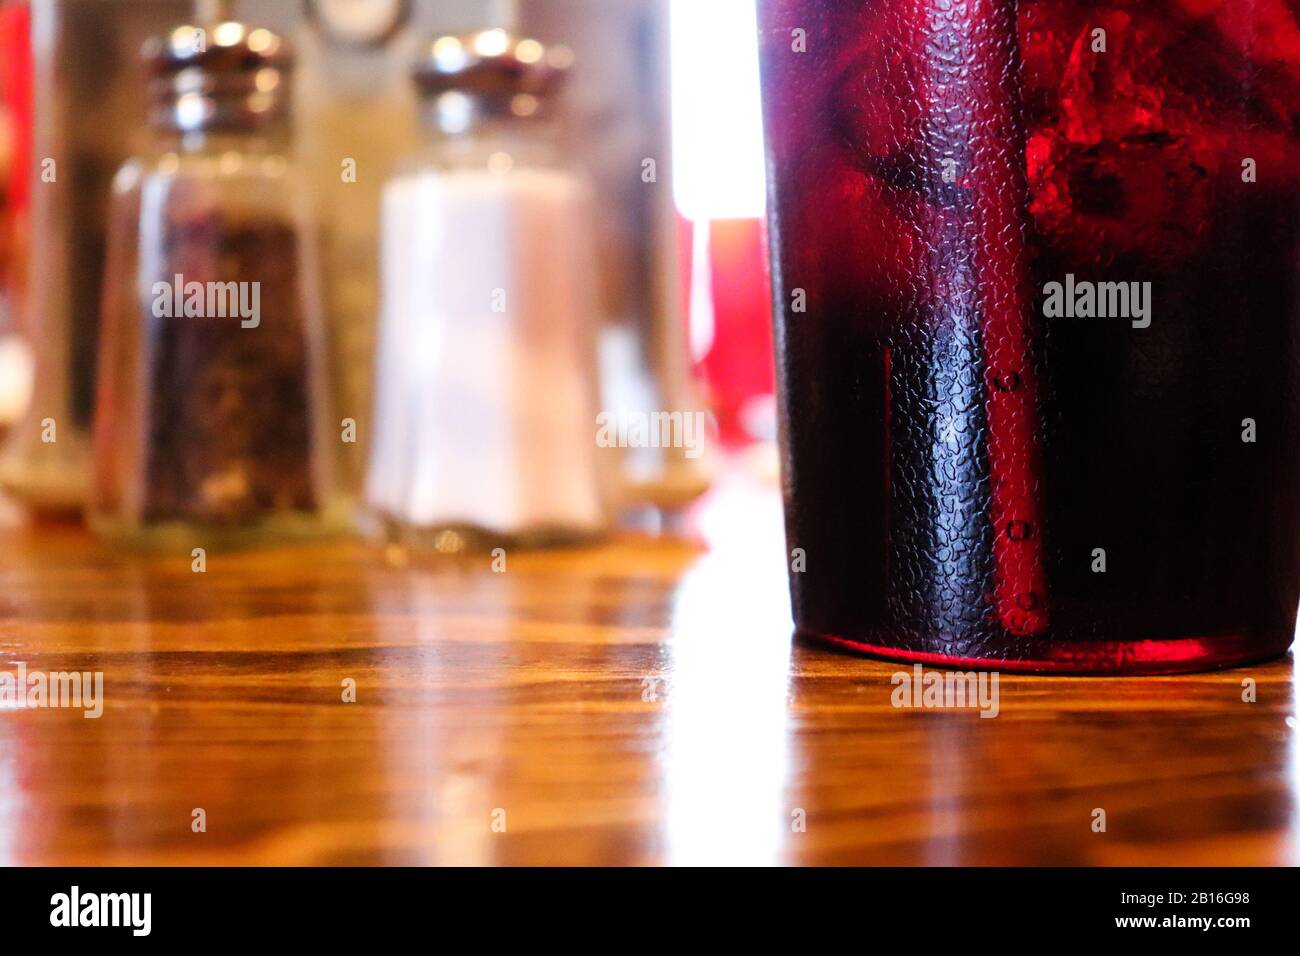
x=660 y=109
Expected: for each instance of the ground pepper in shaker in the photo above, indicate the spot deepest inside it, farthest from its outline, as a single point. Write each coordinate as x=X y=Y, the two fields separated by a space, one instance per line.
x=486 y=389
x=211 y=410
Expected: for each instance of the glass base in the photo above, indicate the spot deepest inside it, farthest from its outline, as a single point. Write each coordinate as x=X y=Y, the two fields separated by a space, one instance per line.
x=1099 y=658
x=473 y=539
x=285 y=528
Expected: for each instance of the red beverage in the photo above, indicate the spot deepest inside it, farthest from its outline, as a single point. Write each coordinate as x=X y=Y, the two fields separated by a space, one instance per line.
x=1036 y=272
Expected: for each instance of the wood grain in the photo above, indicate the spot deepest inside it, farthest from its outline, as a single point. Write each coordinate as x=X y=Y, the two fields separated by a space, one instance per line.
x=635 y=703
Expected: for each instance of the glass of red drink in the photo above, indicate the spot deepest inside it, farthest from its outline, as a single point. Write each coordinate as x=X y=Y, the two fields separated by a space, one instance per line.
x=1036 y=269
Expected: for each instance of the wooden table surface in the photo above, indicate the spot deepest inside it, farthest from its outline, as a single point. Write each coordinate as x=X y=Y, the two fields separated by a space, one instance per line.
x=636 y=703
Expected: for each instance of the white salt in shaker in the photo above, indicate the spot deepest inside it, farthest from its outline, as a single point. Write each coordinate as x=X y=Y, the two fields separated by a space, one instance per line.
x=486 y=391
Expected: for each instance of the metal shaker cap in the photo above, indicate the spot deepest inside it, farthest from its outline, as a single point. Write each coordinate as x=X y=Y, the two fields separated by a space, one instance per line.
x=228 y=76
x=491 y=73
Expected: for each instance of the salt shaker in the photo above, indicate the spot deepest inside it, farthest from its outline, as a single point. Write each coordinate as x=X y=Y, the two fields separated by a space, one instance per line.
x=211 y=424
x=486 y=385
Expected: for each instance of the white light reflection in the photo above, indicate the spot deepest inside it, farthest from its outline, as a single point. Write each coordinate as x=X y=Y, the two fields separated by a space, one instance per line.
x=447 y=766
x=491 y=43
x=716 y=110
x=11 y=802
x=728 y=690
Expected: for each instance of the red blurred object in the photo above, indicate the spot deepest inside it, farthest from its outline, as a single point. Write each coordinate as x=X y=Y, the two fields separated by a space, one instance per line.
x=16 y=97
x=16 y=93
x=736 y=363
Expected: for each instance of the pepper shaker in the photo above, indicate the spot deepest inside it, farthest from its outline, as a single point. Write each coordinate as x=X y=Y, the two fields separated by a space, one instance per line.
x=211 y=409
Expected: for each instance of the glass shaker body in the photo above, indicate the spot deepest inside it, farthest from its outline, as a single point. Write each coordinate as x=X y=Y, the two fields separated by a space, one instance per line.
x=211 y=412
x=486 y=387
